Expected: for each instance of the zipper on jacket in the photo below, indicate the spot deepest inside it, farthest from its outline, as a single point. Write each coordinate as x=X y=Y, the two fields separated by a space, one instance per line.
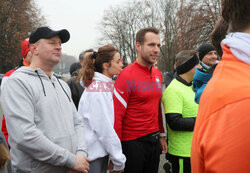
x=150 y=71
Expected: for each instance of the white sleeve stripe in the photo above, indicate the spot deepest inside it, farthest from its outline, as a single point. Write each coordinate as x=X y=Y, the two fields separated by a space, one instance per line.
x=123 y=102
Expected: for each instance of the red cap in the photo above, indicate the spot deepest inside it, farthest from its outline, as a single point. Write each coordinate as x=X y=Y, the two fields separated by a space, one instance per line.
x=25 y=47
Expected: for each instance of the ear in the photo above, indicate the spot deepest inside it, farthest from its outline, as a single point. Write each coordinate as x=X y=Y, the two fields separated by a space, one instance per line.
x=105 y=66
x=33 y=49
x=137 y=45
x=81 y=63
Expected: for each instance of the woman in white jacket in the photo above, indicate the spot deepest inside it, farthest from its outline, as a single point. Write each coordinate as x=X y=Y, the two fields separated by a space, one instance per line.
x=97 y=109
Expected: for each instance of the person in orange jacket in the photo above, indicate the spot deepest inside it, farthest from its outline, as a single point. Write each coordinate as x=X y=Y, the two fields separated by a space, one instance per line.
x=221 y=135
x=27 y=56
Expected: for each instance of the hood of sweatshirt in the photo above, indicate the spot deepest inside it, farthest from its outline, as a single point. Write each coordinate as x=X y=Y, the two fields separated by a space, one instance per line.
x=42 y=77
x=239 y=43
x=29 y=71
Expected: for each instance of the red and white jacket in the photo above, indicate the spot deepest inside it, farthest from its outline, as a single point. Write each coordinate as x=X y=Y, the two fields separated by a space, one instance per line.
x=137 y=102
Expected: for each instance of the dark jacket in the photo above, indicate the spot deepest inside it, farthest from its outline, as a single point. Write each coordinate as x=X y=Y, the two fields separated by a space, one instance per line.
x=169 y=77
x=76 y=90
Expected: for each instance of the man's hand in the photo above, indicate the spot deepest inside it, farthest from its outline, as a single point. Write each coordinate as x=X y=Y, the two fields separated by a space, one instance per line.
x=111 y=167
x=82 y=164
x=4 y=156
x=164 y=145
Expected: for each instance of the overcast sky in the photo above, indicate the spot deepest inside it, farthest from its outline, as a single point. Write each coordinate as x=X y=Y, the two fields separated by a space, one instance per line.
x=79 y=17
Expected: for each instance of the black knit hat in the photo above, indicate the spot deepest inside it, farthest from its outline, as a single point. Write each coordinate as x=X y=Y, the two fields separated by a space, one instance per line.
x=204 y=49
x=46 y=32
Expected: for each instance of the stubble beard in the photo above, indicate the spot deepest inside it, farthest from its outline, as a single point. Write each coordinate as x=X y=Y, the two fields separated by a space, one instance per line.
x=146 y=59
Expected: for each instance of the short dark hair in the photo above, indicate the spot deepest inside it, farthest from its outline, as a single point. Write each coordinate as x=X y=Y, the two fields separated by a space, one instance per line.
x=218 y=34
x=74 y=68
x=82 y=55
x=140 y=35
x=237 y=14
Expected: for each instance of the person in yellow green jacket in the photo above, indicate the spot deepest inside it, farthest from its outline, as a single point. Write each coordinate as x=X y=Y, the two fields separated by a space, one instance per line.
x=180 y=111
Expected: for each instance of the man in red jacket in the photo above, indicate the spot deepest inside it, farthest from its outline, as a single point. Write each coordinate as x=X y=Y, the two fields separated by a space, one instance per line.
x=137 y=95
x=27 y=56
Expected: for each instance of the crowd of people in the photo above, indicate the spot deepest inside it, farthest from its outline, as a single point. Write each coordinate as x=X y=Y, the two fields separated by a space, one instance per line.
x=93 y=124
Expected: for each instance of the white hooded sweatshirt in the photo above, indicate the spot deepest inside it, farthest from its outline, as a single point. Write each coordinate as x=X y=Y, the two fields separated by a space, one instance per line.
x=97 y=110
x=45 y=130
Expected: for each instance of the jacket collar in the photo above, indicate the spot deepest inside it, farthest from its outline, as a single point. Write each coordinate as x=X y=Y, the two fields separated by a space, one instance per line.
x=238 y=43
x=183 y=81
x=100 y=77
x=146 y=69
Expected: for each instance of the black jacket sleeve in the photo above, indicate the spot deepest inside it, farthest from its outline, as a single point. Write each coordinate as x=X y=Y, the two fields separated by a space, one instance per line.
x=178 y=123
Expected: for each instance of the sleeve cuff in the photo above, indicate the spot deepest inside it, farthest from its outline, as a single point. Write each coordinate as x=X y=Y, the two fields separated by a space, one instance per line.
x=71 y=160
x=163 y=134
x=82 y=153
x=118 y=168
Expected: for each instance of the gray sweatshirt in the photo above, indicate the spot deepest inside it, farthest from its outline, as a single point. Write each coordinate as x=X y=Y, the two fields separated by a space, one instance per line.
x=45 y=130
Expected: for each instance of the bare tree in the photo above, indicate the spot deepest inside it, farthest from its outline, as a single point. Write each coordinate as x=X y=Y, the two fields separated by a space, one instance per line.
x=120 y=24
x=17 y=20
x=195 y=22
x=184 y=24
x=167 y=10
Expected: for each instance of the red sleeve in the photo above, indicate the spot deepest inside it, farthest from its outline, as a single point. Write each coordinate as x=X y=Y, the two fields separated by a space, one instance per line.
x=120 y=97
x=160 y=121
x=4 y=130
x=7 y=74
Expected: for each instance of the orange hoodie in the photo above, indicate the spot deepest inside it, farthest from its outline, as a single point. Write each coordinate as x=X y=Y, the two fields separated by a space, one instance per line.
x=221 y=136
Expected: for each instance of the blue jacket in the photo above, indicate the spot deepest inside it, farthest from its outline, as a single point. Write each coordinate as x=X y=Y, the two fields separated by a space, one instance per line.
x=200 y=81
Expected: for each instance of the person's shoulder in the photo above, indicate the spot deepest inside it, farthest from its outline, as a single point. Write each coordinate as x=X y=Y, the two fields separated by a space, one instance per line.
x=17 y=75
x=72 y=81
x=129 y=68
x=62 y=81
x=174 y=86
x=7 y=74
x=156 y=71
x=127 y=72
